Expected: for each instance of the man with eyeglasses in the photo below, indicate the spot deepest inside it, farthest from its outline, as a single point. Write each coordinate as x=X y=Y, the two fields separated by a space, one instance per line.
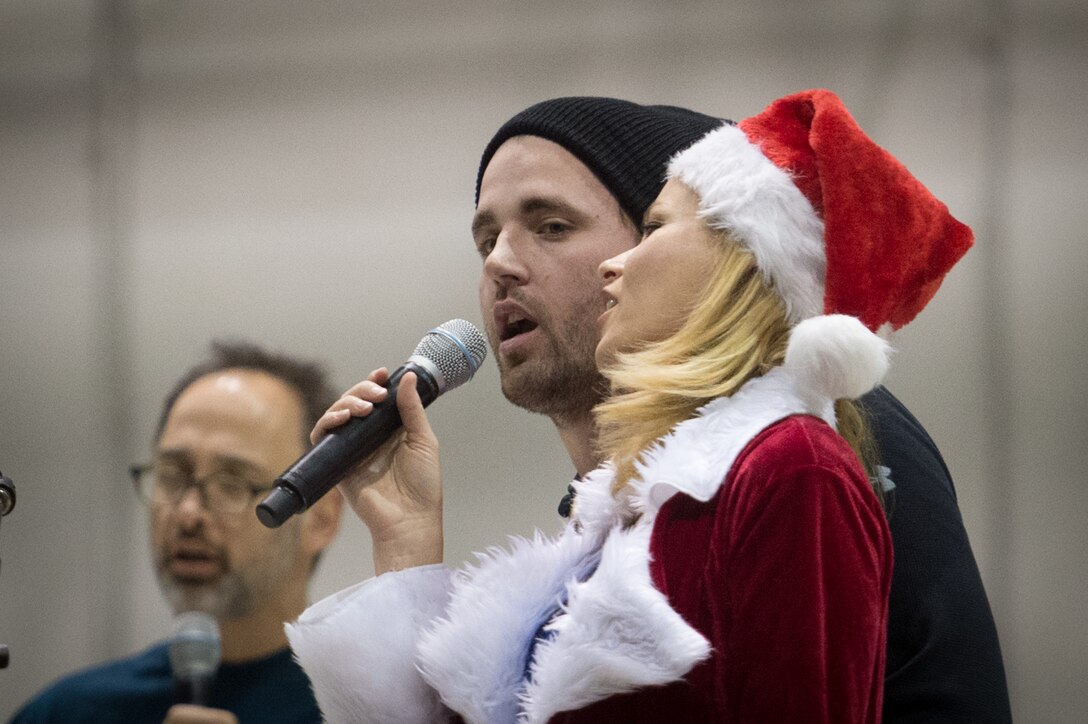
x=228 y=427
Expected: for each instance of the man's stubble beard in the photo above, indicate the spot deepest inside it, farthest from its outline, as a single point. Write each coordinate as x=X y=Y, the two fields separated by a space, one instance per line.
x=562 y=383
x=234 y=594
x=226 y=598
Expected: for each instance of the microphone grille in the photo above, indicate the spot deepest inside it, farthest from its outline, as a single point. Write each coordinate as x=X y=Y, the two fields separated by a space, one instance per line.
x=194 y=649
x=457 y=348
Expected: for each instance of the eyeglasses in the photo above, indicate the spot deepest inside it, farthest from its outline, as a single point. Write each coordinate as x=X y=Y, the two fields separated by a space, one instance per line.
x=220 y=492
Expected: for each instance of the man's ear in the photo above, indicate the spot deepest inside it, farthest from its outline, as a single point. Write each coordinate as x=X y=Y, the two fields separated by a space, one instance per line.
x=321 y=523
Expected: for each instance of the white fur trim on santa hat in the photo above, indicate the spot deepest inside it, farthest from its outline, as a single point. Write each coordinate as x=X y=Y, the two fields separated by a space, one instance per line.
x=743 y=193
x=835 y=356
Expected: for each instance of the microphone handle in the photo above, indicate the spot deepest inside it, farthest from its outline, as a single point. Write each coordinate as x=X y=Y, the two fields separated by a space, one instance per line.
x=328 y=462
x=194 y=690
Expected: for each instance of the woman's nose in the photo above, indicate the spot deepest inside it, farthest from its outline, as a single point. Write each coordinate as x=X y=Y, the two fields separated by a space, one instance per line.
x=612 y=268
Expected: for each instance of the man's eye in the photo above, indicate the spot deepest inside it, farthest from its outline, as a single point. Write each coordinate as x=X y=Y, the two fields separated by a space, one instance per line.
x=231 y=487
x=485 y=246
x=170 y=472
x=234 y=492
x=650 y=227
x=553 y=228
x=171 y=479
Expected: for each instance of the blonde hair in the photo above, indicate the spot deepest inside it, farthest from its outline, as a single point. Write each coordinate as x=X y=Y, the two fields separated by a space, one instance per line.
x=737 y=331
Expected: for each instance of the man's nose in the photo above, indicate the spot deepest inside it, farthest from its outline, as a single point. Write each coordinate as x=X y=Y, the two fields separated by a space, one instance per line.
x=504 y=264
x=191 y=508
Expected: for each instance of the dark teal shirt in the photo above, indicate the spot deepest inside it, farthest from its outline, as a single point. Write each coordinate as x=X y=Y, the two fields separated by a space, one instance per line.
x=141 y=689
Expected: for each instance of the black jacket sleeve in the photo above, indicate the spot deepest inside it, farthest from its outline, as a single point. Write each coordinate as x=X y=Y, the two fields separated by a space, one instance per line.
x=944 y=660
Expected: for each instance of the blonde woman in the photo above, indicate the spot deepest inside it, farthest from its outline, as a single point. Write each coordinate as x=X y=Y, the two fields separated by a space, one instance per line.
x=732 y=561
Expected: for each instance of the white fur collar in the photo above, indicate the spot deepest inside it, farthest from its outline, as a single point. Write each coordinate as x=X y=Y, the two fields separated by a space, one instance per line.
x=617 y=633
x=694 y=458
x=475 y=657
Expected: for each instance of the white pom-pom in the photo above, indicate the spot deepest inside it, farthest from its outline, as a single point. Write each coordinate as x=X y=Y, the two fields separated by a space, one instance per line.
x=836 y=356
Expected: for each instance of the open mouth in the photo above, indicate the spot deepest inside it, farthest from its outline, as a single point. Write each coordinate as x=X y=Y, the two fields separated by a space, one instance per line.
x=511 y=321
x=515 y=325
x=188 y=557
x=193 y=563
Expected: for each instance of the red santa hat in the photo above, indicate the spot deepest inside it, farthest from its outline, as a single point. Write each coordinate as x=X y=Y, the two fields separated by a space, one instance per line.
x=851 y=241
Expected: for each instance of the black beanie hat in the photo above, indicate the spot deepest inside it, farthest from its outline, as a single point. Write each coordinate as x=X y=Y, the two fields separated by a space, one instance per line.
x=627 y=145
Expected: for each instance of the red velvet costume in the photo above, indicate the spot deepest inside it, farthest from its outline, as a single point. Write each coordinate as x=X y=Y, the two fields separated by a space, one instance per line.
x=786 y=572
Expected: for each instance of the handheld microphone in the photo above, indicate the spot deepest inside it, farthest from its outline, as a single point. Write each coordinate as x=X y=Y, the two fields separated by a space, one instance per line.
x=194 y=657
x=445 y=358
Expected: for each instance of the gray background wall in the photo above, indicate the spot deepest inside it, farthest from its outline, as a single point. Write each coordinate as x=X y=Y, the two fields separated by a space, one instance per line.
x=301 y=174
